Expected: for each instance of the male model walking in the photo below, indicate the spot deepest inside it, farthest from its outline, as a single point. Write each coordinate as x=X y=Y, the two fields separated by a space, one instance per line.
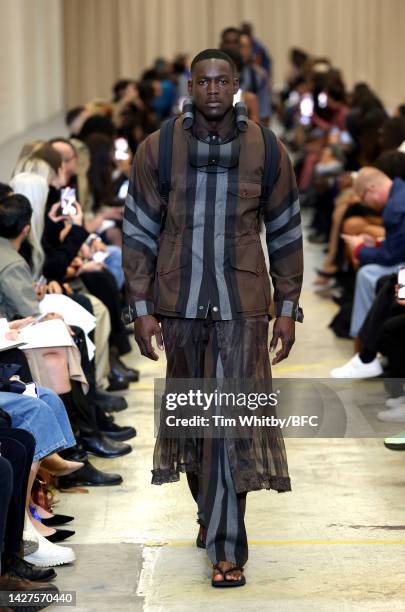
x=196 y=279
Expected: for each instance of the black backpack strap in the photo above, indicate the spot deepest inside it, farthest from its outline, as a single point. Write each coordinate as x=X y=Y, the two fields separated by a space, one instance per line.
x=165 y=158
x=271 y=164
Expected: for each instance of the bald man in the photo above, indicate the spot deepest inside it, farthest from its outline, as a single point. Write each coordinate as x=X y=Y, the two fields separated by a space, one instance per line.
x=377 y=191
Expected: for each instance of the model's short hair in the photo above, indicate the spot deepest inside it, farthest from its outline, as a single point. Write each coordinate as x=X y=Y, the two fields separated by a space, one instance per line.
x=15 y=214
x=208 y=54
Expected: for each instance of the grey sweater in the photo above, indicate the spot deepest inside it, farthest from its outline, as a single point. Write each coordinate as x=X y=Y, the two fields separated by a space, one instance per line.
x=17 y=295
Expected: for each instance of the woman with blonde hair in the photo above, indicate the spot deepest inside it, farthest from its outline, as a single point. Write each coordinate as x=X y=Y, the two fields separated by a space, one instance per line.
x=35 y=188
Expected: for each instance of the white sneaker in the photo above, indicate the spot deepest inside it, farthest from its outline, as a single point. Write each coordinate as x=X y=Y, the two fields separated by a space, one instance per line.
x=395 y=415
x=396 y=442
x=393 y=402
x=48 y=554
x=30 y=543
x=355 y=368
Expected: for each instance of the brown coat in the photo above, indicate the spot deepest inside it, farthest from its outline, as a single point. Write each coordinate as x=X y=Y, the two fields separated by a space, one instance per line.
x=207 y=252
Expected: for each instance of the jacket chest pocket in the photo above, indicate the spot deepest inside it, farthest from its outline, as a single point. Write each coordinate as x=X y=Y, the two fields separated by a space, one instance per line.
x=244 y=197
x=245 y=190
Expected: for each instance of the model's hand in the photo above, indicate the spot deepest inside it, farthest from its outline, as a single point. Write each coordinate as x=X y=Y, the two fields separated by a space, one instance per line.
x=284 y=330
x=145 y=327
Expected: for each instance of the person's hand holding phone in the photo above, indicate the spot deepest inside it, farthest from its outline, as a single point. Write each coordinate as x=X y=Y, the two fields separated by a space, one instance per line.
x=77 y=217
x=90 y=266
x=55 y=213
x=369 y=241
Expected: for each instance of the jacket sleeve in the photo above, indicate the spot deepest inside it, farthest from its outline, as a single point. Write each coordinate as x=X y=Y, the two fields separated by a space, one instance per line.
x=58 y=258
x=18 y=291
x=141 y=230
x=282 y=219
x=391 y=251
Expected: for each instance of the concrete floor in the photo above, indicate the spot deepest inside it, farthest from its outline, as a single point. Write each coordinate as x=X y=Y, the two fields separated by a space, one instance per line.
x=334 y=543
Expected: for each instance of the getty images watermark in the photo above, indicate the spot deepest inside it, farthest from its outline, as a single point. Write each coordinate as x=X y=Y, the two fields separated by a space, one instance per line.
x=247 y=408
x=217 y=400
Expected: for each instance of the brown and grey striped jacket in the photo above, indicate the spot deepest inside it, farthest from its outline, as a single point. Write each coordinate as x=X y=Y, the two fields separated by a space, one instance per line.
x=202 y=250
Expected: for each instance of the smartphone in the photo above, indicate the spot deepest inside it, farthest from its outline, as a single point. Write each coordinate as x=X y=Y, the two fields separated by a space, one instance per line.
x=306 y=108
x=401 y=283
x=31 y=389
x=121 y=149
x=322 y=99
x=123 y=190
x=67 y=200
x=100 y=256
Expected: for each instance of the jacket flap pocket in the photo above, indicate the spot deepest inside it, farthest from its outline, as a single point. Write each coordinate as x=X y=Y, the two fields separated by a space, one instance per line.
x=170 y=256
x=248 y=256
x=245 y=190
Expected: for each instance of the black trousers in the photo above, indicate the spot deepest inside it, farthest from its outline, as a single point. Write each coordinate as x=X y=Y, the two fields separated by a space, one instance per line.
x=103 y=286
x=392 y=344
x=17 y=449
x=384 y=307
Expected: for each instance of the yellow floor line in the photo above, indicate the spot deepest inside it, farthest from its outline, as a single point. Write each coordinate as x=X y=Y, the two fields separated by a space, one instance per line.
x=186 y=543
x=277 y=370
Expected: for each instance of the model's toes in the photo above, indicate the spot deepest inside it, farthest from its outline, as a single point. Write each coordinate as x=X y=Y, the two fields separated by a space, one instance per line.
x=236 y=575
x=217 y=576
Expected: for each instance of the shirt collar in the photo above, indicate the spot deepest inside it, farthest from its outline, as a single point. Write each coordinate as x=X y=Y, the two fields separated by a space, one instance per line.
x=235 y=122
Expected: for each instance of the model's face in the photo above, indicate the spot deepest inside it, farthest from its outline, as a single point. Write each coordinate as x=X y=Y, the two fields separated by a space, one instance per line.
x=213 y=86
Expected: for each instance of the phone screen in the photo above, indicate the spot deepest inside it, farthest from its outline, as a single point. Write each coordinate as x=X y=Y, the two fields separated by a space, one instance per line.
x=306 y=108
x=67 y=200
x=121 y=149
x=401 y=283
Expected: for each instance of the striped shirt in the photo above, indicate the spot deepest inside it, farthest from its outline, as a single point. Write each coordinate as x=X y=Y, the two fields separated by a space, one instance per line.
x=202 y=250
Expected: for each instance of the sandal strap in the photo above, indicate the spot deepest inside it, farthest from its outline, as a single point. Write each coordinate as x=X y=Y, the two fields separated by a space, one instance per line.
x=233 y=569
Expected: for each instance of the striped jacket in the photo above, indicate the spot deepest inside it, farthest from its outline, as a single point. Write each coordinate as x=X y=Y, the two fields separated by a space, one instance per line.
x=202 y=250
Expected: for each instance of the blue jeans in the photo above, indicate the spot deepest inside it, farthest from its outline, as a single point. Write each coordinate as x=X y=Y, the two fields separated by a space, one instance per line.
x=113 y=263
x=364 y=293
x=44 y=417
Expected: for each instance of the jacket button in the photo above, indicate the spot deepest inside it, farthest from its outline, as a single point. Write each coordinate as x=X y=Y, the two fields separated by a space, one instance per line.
x=215 y=308
x=200 y=307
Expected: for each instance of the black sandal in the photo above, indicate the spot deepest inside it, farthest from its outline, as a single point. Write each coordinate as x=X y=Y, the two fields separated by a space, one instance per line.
x=228 y=583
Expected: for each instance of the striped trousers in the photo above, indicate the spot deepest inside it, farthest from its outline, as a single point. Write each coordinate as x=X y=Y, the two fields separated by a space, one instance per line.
x=205 y=348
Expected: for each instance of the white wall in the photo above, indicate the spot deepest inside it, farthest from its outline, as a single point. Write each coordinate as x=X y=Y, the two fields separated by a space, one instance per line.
x=31 y=63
